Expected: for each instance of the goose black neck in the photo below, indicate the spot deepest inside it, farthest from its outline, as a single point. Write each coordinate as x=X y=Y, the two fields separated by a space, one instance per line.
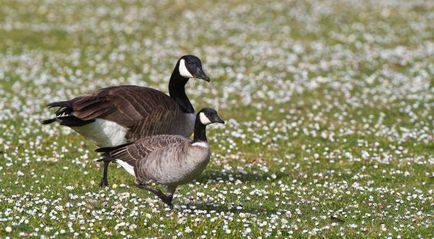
x=199 y=131
x=177 y=91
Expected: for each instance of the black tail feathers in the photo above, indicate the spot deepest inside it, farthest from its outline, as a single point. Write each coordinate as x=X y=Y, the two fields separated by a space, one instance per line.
x=106 y=152
x=65 y=103
x=55 y=104
x=105 y=157
x=48 y=121
x=110 y=149
x=64 y=115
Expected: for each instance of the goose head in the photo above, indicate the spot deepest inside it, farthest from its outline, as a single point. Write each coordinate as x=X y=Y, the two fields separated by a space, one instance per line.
x=209 y=116
x=190 y=66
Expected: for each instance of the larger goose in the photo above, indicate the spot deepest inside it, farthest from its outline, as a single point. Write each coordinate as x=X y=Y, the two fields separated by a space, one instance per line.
x=170 y=160
x=120 y=114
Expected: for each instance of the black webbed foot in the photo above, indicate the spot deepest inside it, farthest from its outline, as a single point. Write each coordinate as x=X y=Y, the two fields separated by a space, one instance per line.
x=166 y=199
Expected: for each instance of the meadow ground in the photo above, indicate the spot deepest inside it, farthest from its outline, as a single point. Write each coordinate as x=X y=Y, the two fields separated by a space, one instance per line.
x=329 y=110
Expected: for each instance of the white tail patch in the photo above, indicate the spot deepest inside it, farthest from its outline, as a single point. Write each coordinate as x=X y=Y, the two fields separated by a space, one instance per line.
x=183 y=71
x=203 y=119
x=127 y=167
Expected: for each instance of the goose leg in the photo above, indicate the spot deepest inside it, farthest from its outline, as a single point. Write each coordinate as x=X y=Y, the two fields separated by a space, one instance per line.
x=171 y=190
x=166 y=199
x=104 y=180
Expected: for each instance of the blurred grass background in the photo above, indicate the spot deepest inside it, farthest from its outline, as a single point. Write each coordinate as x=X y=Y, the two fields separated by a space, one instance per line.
x=329 y=103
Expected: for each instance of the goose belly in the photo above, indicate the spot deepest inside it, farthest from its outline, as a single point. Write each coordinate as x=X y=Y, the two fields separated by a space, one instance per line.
x=103 y=133
x=178 y=168
x=189 y=175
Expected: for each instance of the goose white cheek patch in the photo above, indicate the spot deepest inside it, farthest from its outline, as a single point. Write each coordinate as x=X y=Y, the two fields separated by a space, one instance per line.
x=183 y=70
x=203 y=119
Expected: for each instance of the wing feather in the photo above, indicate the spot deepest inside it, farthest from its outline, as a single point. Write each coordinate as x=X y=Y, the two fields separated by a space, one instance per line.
x=140 y=149
x=128 y=106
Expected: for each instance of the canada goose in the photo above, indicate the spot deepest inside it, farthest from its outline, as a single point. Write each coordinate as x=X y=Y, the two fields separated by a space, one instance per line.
x=120 y=114
x=170 y=160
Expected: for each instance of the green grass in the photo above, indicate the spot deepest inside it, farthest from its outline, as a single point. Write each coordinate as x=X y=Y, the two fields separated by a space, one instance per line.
x=329 y=112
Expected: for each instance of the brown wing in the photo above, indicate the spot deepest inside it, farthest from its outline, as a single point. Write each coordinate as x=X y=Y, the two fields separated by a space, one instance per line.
x=160 y=121
x=140 y=149
x=126 y=105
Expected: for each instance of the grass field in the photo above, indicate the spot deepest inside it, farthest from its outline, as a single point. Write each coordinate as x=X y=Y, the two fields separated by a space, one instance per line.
x=329 y=108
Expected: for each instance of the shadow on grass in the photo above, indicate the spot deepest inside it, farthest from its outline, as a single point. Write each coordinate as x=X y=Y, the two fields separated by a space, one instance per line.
x=215 y=176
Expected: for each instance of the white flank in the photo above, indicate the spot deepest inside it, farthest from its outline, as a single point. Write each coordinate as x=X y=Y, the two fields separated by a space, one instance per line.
x=201 y=144
x=127 y=167
x=183 y=69
x=103 y=133
x=203 y=119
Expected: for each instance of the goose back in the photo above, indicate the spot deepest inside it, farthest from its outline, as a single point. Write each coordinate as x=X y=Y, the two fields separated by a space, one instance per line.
x=125 y=104
x=115 y=115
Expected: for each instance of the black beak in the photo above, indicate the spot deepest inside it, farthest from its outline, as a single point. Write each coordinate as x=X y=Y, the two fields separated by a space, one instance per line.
x=218 y=120
x=200 y=74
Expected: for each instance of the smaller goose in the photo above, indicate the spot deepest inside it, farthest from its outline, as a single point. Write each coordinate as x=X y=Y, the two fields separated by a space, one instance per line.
x=169 y=160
